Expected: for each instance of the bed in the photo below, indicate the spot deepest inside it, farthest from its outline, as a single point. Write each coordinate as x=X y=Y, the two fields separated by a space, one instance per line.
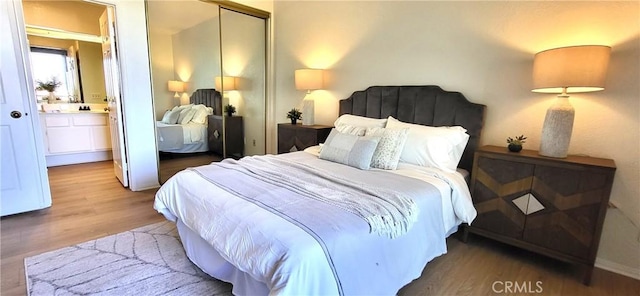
x=190 y=136
x=297 y=224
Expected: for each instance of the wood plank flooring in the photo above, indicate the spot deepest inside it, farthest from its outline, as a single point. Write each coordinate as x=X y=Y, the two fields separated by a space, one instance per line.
x=88 y=203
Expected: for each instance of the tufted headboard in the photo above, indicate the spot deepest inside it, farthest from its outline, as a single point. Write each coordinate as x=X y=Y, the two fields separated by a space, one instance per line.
x=426 y=105
x=208 y=97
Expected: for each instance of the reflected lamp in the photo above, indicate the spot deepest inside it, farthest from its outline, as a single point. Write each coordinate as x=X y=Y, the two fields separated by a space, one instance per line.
x=563 y=71
x=226 y=83
x=308 y=79
x=175 y=86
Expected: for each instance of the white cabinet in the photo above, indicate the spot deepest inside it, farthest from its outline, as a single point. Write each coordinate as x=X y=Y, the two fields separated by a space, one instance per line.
x=76 y=137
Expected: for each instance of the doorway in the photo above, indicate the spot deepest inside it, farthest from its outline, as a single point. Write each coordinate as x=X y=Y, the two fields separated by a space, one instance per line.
x=79 y=95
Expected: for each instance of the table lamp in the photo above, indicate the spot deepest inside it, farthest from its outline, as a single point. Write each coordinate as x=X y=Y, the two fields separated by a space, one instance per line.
x=308 y=79
x=566 y=70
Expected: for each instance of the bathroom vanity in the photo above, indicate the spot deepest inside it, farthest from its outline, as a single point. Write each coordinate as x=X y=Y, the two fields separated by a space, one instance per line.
x=72 y=137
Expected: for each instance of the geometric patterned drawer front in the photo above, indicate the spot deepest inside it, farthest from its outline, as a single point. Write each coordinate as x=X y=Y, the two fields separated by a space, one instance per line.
x=573 y=198
x=547 y=205
x=528 y=204
x=498 y=183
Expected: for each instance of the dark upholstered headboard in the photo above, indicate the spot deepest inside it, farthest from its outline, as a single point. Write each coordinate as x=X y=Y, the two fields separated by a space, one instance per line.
x=426 y=105
x=208 y=97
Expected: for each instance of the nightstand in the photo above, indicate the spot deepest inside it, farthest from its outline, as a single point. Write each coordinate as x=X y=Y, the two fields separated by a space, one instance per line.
x=234 y=130
x=551 y=206
x=297 y=137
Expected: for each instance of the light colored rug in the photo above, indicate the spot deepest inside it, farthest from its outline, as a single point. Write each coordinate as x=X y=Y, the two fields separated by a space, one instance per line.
x=145 y=261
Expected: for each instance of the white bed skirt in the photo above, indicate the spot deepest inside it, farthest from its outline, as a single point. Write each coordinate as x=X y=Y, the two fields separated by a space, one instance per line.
x=209 y=260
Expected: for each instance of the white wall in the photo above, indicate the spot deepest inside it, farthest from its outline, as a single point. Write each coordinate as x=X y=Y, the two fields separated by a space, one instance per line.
x=196 y=55
x=161 y=51
x=73 y=16
x=484 y=50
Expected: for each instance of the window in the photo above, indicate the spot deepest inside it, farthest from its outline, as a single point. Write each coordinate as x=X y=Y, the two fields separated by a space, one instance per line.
x=47 y=63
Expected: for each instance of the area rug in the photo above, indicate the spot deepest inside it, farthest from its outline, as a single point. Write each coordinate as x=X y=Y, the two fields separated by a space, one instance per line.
x=145 y=261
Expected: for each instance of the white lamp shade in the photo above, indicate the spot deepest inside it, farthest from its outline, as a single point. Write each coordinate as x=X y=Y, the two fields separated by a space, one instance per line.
x=225 y=83
x=309 y=79
x=175 y=86
x=576 y=68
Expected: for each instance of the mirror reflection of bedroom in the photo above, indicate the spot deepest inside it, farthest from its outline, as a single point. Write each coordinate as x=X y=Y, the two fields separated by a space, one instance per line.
x=208 y=77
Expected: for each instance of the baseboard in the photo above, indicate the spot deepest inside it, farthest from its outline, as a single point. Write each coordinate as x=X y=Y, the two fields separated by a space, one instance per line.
x=75 y=158
x=618 y=268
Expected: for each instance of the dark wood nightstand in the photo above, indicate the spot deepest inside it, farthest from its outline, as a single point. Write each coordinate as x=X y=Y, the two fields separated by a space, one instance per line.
x=297 y=137
x=552 y=206
x=234 y=135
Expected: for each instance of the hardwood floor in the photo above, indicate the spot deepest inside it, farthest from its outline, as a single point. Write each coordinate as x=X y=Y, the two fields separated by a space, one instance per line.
x=88 y=203
x=171 y=164
x=486 y=267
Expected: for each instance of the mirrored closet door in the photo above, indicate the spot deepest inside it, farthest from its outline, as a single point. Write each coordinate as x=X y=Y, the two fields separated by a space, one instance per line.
x=208 y=59
x=243 y=44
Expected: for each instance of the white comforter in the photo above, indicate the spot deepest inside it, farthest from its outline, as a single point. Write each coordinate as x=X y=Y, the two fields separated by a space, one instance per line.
x=191 y=132
x=289 y=260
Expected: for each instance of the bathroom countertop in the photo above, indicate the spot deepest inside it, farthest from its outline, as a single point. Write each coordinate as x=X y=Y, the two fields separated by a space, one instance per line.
x=75 y=112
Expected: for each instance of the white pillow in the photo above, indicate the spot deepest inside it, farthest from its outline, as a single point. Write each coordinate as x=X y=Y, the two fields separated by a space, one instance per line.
x=188 y=115
x=166 y=116
x=349 y=149
x=389 y=148
x=439 y=147
x=359 y=121
x=182 y=107
x=200 y=115
x=351 y=129
x=171 y=117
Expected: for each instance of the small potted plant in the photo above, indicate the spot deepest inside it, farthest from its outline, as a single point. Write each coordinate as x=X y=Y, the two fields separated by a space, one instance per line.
x=50 y=86
x=229 y=109
x=294 y=114
x=515 y=144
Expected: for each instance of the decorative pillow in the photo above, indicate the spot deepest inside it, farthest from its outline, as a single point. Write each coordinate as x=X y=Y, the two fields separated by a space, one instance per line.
x=349 y=149
x=439 y=147
x=188 y=116
x=170 y=117
x=183 y=113
x=387 y=154
x=166 y=116
x=351 y=129
x=359 y=121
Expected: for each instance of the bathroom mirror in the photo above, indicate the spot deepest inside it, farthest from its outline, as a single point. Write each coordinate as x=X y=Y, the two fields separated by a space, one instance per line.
x=67 y=48
x=83 y=63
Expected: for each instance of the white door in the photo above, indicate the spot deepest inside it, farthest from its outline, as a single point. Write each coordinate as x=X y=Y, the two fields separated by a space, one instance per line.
x=23 y=182
x=112 y=85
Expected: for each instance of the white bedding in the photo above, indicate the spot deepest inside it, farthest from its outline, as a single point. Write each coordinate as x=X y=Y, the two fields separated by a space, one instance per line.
x=288 y=260
x=452 y=186
x=172 y=140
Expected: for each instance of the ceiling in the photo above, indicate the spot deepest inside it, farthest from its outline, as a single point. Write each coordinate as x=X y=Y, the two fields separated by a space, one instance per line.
x=172 y=16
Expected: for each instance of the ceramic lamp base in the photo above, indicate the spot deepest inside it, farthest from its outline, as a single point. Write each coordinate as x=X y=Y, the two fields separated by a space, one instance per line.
x=308 y=112
x=556 y=131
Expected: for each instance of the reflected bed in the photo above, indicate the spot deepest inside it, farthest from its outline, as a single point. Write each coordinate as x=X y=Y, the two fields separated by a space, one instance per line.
x=191 y=136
